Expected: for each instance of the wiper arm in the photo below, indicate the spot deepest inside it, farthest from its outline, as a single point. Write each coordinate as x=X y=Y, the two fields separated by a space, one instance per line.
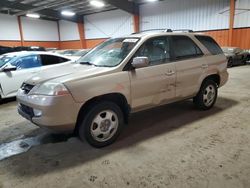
x=86 y=63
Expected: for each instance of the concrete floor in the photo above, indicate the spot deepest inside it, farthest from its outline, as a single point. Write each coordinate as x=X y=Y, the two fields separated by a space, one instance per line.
x=171 y=146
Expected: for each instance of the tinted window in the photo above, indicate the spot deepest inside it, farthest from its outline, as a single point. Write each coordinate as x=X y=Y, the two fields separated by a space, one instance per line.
x=27 y=62
x=157 y=50
x=184 y=48
x=210 y=44
x=51 y=60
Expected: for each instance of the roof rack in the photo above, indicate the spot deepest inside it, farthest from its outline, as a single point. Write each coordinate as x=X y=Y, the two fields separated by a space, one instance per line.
x=166 y=30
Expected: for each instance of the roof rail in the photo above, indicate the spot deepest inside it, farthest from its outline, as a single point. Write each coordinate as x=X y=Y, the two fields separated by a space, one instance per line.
x=163 y=30
x=166 y=30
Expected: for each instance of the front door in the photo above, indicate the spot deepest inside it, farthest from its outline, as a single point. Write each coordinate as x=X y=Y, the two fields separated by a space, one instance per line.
x=155 y=84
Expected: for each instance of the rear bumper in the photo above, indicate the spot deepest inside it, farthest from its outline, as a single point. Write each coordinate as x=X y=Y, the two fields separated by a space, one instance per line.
x=54 y=112
x=223 y=78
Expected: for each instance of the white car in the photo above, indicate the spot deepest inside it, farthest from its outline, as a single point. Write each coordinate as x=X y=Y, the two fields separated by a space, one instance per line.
x=17 y=67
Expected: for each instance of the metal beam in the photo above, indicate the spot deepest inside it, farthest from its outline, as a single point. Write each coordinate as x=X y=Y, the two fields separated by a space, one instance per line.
x=125 y=5
x=46 y=12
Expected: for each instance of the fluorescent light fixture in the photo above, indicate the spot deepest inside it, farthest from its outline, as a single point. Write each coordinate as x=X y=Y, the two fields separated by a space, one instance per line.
x=68 y=13
x=97 y=3
x=33 y=15
x=152 y=0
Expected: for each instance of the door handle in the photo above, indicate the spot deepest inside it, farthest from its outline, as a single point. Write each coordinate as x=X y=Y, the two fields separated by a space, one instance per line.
x=204 y=66
x=170 y=73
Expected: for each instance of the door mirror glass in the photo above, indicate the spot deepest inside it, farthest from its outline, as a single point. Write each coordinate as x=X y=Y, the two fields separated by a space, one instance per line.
x=140 y=62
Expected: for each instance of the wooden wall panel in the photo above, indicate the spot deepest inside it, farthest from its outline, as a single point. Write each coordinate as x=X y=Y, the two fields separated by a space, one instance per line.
x=45 y=44
x=10 y=43
x=76 y=44
x=221 y=36
x=241 y=38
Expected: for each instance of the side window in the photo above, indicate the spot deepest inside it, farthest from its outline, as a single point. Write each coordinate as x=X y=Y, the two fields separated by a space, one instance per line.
x=50 y=60
x=210 y=44
x=184 y=48
x=157 y=50
x=62 y=60
x=27 y=62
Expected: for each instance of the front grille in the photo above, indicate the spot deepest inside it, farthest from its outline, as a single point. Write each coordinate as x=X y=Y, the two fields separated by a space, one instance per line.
x=27 y=110
x=26 y=87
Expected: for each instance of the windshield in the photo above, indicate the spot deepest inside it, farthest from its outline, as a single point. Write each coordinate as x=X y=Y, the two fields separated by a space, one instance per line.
x=110 y=53
x=5 y=59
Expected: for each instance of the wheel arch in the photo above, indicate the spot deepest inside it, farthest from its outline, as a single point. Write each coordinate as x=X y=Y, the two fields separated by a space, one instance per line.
x=215 y=77
x=117 y=98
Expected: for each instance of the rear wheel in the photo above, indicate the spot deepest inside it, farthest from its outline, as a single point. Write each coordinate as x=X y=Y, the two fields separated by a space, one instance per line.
x=230 y=62
x=207 y=95
x=102 y=124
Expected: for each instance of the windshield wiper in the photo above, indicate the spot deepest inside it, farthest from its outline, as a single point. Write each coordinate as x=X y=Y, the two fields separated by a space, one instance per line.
x=86 y=63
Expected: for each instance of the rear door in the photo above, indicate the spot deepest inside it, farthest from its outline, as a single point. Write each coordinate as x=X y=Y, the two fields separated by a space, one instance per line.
x=154 y=84
x=27 y=67
x=191 y=66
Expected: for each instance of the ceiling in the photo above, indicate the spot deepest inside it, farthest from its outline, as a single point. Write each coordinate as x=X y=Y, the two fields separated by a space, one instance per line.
x=50 y=9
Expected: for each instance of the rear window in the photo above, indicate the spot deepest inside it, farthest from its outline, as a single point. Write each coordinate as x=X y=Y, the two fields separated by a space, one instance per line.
x=210 y=44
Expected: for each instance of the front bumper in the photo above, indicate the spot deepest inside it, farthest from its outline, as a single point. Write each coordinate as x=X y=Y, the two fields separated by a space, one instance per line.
x=57 y=112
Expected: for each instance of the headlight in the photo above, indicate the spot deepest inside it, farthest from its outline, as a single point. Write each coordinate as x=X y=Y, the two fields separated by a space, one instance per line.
x=49 y=88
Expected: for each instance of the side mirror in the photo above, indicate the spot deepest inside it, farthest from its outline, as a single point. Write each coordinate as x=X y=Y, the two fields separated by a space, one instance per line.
x=140 y=62
x=8 y=68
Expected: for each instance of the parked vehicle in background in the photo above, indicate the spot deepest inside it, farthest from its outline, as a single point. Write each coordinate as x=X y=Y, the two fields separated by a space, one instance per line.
x=68 y=52
x=79 y=54
x=5 y=49
x=16 y=67
x=235 y=56
x=122 y=75
x=52 y=50
x=28 y=48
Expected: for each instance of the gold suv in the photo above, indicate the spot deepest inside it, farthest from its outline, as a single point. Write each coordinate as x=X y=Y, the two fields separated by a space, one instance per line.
x=95 y=95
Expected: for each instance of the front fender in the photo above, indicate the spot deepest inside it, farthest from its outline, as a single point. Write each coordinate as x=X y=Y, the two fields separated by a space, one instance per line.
x=86 y=89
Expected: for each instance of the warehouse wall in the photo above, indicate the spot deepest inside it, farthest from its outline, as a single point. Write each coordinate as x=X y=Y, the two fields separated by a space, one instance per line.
x=9 y=36
x=69 y=35
x=108 y=24
x=100 y=26
x=38 y=32
x=208 y=16
x=241 y=35
x=197 y=15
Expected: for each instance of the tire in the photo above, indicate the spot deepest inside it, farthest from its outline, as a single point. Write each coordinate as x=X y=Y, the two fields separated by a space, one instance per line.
x=206 y=97
x=102 y=124
x=230 y=62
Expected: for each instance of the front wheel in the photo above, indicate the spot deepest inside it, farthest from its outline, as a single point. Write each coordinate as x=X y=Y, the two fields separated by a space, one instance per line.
x=102 y=124
x=207 y=95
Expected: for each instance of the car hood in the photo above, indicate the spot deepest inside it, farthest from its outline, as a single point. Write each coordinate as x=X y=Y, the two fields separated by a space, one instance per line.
x=67 y=72
x=228 y=54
